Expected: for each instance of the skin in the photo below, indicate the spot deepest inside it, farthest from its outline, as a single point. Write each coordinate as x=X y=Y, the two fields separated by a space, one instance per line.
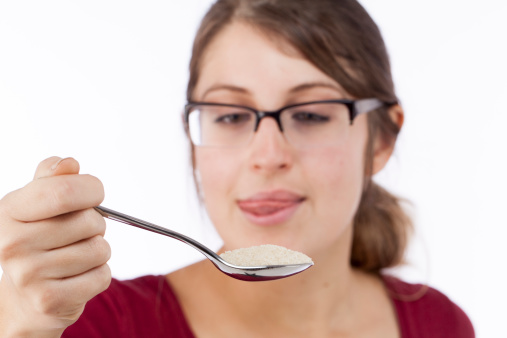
x=242 y=66
x=49 y=274
x=53 y=253
x=323 y=175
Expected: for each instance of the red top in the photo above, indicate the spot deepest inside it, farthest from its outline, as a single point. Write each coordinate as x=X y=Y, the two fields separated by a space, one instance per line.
x=147 y=307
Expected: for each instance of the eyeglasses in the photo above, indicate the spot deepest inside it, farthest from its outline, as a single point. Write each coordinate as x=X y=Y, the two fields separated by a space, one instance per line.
x=308 y=124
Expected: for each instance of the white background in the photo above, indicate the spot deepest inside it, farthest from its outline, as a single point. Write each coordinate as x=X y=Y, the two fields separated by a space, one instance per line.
x=104 y=82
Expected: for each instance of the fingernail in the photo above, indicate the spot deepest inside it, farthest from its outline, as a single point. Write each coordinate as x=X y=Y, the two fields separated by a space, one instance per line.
x=54 y=166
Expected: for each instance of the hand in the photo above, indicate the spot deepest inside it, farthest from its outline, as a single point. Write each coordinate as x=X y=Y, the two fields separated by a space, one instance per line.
x=52 y=250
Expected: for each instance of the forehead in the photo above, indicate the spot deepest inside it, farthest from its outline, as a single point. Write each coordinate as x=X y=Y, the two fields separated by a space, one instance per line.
x=246 y=57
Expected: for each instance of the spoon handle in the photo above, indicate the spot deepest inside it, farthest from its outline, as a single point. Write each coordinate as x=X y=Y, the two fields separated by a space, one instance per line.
x=139 y=223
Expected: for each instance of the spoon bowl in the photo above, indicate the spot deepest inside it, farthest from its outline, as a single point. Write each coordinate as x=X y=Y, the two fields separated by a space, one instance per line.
x=246 y=273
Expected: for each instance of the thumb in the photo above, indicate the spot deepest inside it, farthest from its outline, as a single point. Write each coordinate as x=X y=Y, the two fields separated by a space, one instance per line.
x=54 y=166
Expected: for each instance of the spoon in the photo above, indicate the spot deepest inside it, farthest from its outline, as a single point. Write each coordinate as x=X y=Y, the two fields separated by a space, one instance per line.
x=246 y=273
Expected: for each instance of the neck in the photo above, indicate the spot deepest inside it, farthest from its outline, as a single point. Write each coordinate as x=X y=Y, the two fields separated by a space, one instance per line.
x=322 y=292
x=329 y=297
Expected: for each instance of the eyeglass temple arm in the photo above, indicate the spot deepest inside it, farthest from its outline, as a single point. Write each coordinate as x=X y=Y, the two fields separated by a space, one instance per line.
x=366 y=105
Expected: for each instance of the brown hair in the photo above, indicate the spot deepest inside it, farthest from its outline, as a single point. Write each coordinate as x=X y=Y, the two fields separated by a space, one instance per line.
x=341 y=39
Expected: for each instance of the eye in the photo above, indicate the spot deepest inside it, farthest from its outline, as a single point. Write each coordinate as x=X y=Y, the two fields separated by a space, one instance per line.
x=309 y=117
x=233 y=118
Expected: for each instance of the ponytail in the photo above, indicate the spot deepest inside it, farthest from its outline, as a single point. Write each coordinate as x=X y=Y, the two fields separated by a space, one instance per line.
x=381 y=225
x=381 y=230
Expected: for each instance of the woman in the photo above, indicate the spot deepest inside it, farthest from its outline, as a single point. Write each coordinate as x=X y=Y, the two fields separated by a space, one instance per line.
x=298 y=176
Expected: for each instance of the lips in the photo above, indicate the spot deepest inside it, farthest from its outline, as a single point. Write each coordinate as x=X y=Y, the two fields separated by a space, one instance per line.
x=270 y=208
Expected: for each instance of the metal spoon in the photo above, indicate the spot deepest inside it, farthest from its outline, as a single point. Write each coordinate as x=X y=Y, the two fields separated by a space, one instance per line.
x=246 y=273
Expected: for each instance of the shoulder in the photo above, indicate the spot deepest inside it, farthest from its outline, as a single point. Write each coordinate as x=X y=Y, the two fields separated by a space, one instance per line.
x=426 y=312
x=140 y=307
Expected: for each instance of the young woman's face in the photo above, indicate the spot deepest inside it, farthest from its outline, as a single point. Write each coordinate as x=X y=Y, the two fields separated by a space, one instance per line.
x=269 y=191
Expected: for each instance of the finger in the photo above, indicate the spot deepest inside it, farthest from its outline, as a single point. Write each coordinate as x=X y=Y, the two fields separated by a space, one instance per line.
x=73 y=259
x=44 y=167
x=52 y=196
x=65 y=262
x=68 y=228
x=50 y=233
x=54 y=166
x=66 y=297
x=93 y=281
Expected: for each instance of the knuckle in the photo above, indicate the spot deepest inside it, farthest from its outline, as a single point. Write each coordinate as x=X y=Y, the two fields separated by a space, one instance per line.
x=11 y=247
x=54 y=302
x=107 y=251
x=99 y=248
x=6 y=206
x=94 y=244
x=72 y=314
x=103 y=277
x=27 y=276
x=60 y=194
x=3 y=207
x=99 y=188
x=48 y=301
x=95 y=221
x=100 y=224
x=8 y=250
x=23 y=280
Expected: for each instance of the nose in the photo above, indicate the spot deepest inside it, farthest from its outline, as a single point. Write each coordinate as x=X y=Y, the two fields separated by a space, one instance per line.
x=269 y=150
x=269 y=115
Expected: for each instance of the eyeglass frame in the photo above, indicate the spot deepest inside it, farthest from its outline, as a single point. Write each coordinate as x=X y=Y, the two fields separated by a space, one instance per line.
x=355 y=108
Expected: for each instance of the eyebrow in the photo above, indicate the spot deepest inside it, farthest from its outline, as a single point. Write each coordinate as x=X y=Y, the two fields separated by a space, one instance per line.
x=219 y=86
x=310 y=85
x=298 y=88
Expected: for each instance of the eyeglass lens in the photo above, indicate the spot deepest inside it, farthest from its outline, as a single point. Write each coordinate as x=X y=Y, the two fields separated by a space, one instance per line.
x=313 y=124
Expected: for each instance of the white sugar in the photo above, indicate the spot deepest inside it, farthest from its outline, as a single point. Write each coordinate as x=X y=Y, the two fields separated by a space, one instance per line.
x=267 y=254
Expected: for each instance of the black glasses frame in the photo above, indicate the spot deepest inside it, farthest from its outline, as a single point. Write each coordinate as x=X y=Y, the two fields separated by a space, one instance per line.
x=355 y=107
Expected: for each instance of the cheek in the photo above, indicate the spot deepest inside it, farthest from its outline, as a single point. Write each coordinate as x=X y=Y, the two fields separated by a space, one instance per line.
x=338 y=175
x=218 y=172
x=211 y=171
